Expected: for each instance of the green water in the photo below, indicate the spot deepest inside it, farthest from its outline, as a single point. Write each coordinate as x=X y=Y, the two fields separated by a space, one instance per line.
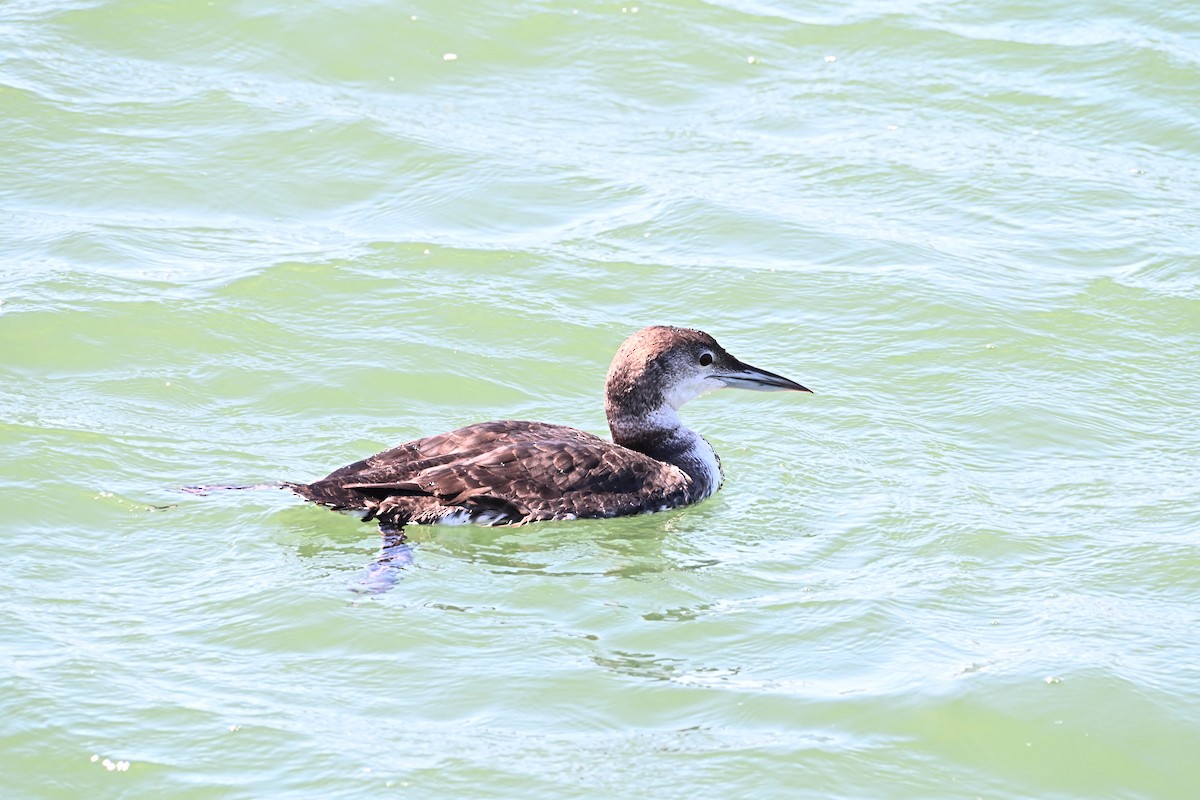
x=245 y=242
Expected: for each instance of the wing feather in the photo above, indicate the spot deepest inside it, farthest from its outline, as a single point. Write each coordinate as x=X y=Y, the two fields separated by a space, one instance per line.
x=517 y=471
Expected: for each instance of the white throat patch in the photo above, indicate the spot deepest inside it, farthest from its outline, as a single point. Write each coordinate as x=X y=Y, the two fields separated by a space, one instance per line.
x=697 y=386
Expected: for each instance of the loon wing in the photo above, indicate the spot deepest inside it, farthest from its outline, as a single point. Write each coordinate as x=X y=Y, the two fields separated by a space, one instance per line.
x=510 y=472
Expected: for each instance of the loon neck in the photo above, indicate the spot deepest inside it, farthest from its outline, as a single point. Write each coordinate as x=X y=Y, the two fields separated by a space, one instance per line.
x=663 y=436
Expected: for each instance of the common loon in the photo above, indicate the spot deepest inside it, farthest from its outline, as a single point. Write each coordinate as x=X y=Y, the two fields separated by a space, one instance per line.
x=515 y=472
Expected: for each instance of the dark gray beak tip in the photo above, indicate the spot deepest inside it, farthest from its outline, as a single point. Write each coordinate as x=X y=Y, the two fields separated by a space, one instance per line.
x=748 y=377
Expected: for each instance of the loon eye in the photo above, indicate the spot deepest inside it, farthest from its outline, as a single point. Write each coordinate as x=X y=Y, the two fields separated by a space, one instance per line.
x=705 y=359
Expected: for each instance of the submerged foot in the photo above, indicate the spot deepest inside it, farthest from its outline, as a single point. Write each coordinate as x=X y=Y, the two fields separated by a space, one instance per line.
x=395 y=553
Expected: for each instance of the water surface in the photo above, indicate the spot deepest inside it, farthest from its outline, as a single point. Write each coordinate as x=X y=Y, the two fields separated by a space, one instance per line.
x=251 y=242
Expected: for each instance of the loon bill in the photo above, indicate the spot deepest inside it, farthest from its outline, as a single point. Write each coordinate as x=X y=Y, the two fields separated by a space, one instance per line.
x=514 y=472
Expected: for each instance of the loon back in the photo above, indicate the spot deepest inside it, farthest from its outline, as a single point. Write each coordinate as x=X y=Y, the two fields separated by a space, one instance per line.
x=507 y=472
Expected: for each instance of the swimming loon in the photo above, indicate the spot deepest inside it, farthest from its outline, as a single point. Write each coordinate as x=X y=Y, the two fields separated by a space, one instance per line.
x=515 y=472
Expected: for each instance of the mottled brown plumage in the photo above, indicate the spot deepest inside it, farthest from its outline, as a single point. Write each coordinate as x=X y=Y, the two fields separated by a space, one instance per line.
x=514 y=472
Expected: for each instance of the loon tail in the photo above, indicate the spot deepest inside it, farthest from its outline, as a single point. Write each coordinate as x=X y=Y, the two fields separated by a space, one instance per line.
x=209 y=489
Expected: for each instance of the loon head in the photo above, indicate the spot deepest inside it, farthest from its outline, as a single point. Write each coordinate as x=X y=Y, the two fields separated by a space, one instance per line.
x=660 y=368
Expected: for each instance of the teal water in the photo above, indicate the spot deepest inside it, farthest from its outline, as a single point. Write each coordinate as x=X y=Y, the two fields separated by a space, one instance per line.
x=244 y=242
